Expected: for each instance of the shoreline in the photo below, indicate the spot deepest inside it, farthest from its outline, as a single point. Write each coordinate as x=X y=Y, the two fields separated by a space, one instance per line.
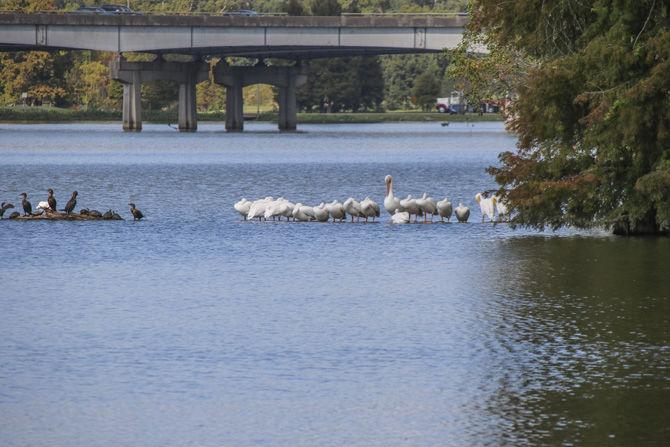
x=57 y=116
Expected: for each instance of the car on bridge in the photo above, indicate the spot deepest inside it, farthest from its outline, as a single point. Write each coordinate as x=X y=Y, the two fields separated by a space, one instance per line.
x=105 y=9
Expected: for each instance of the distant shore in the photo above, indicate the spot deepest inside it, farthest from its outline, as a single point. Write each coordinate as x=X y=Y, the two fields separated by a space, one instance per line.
x=26 y=115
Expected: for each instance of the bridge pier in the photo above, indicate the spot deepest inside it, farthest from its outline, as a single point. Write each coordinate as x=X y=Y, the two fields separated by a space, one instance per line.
x=286 y=79
x=132 y=104
x=133 y=74
x=234 y=103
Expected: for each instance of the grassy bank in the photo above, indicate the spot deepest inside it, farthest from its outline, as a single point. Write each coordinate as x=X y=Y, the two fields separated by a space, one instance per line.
x=56 y=115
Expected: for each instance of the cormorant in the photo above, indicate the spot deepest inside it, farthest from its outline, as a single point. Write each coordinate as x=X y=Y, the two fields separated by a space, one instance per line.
x=69 y=207
x=95 y=213
x=137 y=214
x=51 y=200
x=4 y=207
x=27 y=206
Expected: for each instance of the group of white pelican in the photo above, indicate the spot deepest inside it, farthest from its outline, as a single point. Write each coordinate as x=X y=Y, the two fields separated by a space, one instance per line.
x=275 y=209
x=401 y=210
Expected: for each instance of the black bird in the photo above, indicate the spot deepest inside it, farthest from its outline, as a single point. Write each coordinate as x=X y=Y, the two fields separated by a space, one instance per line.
x=51 y=200
x=14 y=215
x=69 y=207
x=137 y=214
x=95 y=213
x=27 y=206
x=4 y=207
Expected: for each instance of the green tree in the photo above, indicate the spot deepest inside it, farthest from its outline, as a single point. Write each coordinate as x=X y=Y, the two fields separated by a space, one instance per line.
x=426 y=89
x=592 y=111
x=351 y=83
x=325 y=7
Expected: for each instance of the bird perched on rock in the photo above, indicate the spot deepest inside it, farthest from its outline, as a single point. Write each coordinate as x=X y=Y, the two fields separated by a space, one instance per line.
x=83 y=211
x=4 y=207
x=94 y=213
x=51 y=200
x=137 y=214
x=14 y=215
x=109 y=215
x=71 y=204
x=462 y=213
x=27 y=207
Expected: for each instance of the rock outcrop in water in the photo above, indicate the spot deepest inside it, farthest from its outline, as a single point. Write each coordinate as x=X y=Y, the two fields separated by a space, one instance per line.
x=72 y=216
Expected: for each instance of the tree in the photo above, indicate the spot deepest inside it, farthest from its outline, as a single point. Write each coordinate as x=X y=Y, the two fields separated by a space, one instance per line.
x=426 y=89
x=592 y=111
x=351 y=83
x=325 y=7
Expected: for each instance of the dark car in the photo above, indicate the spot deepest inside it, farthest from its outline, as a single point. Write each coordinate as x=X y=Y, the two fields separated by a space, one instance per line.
x=240 y=12
x=91 y=10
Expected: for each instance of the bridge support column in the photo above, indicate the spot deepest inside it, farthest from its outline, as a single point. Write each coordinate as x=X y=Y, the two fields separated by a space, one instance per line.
x=133 y=74
x=288 y=110
x=235 y=104
x=286 y=79
x=188 y=120
x=132 y=104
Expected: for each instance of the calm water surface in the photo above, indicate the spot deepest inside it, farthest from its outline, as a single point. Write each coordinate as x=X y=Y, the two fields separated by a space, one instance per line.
x=194 y=328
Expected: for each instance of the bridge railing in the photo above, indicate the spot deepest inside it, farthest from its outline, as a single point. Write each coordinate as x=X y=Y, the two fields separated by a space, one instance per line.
x=260 y=14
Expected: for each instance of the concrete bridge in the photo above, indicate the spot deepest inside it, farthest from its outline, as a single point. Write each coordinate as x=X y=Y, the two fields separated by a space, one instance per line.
x=201 y=36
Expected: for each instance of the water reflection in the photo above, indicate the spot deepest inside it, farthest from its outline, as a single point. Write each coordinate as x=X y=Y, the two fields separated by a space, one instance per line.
x=585 y=323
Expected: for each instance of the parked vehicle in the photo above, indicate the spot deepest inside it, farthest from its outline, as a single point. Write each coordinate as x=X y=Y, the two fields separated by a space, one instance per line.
x=91 y=10
x=455 y=103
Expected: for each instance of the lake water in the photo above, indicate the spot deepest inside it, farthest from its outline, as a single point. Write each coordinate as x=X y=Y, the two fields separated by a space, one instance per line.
x=195 y=328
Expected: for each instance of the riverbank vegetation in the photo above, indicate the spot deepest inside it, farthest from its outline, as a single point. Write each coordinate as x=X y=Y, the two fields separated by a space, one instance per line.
x=592 y=109
x=60 y=115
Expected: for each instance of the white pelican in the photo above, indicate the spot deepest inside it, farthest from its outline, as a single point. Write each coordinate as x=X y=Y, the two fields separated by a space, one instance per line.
x=353 y=208
x=336 y=210
x=302 y=212
x=400 y=217
x=487 y=205
x=462 y=212
x=501 y=208
x=277 y=208
x=242 y=207
x=444 y=209
x=44 y=206
x=427 y=206
x=321 y=213
x=409 y=204
x=391 y=203
x=258 y=207
x=369 y=208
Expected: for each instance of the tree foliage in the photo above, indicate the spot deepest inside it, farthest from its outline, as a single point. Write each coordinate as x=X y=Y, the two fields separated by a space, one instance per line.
x=592 y=110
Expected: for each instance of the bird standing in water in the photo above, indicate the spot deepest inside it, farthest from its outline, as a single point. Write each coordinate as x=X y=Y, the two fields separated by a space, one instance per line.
x=69 y=206
x=4 y=207
x=137 y=214
x=27 y=206
x=51 y=200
